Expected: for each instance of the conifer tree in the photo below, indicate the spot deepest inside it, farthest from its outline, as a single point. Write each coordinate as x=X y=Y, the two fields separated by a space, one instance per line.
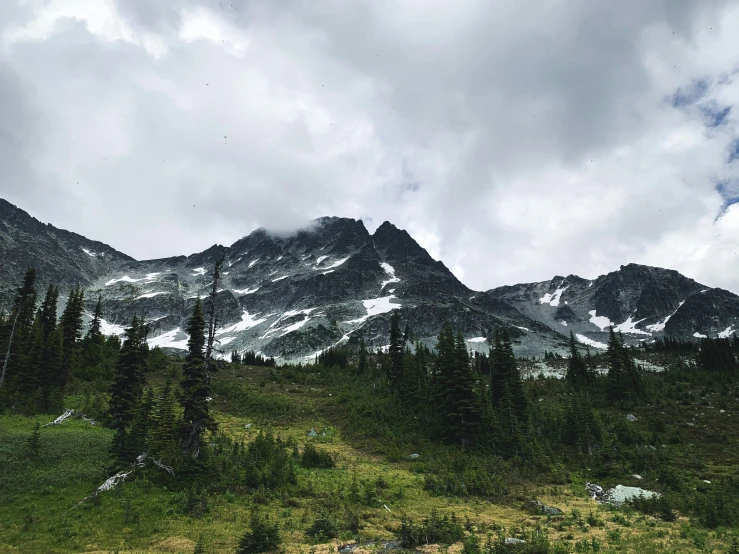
x=624 y=380
x=71 y=324
x=195 y=386
x=362 y=364
x=397 y=346
x=94 y=333
x=126 y=389
x=164 y=432
x=141 y=424
x=577 y=371
x=213 y=315
x=15 y=363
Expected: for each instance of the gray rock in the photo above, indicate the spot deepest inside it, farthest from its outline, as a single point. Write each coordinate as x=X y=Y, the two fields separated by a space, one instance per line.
x=413 y=456
x=312 y=433
x=631 y=417
x=620 y=494
x=538 y=507
x=512 y=540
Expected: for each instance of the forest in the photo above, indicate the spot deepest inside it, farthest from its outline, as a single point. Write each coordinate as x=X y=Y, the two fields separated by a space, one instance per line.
x=107 y=445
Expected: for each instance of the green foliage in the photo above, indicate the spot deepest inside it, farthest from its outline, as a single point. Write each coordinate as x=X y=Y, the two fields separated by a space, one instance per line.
x=264 y=536
x=33 y=446
x=432 y=530
x=196 y=417
x=316 y=457
x=322 y=529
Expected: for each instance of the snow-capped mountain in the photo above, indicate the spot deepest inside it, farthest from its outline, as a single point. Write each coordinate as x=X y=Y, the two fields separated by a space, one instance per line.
x=291 y=296
x=639 y=301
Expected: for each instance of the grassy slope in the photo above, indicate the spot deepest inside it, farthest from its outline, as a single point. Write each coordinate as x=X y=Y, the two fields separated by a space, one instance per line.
x=39 y=510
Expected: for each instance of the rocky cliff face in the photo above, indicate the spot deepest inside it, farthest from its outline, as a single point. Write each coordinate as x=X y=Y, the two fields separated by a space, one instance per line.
x=291 y=296
x=639 y=301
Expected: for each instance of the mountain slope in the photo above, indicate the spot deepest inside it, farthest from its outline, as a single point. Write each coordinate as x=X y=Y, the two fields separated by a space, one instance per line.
x=639 y=301
x=295 y=294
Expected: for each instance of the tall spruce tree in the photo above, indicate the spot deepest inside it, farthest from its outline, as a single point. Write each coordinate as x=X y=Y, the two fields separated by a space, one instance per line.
x=71 y=324
x=164 y=432
x=362 y=363
x=213 y=315
x=195 y=386
x=126 y=389
x=397 y=345
x=16 y=364
x=577 y=370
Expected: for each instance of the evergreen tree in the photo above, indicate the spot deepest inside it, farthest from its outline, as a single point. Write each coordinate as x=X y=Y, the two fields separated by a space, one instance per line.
x=213 y=315
x=397 y=346
x=458 y=408
x=126 y=389
x=195 y=386
x=141 y=424
x=15 y=362
x=624 y=379
x=71 y=324
x=164 y=431
x=577 y=371
x=362 y=365
x=94 y=333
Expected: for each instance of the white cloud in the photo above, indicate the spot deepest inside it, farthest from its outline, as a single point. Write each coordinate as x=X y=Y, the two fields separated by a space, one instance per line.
x=513 y=142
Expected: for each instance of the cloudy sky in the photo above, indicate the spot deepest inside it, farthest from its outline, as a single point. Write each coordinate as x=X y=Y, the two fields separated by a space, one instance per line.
x=514 y=140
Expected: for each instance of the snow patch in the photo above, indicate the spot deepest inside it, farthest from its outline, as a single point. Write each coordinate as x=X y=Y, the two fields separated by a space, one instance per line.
x=320 y=259
x=89 y=253
x=600 y=321
x=553 y=298
x=658 y=327
x=337 y=263
x=563 y=322
x=151 y=294
x=477 y=339
x=247 y=322
x=198 y=271
x=327 y=272
x=226 y=340
x=590 y=342
x=522 y=328
x=111 y=328
x=726 y=333
x=629 y=327
x=252 y=263
x=280 y=278
x=245 y=291
x=148 y=279
x=699 y=336
x=168 y=340
x=375 y=306
x=390 y=270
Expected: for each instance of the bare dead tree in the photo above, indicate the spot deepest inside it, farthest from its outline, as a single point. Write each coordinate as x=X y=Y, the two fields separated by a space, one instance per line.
x=213 y=315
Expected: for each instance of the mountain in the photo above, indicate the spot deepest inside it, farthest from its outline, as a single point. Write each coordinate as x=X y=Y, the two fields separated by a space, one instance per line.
x=639 y=301
x=293 y=295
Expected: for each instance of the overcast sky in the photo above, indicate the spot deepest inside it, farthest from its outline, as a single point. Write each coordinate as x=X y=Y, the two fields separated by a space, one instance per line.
x=514 y=140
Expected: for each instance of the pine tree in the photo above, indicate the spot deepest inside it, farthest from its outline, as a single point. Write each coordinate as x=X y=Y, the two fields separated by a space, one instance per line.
x=15 y=363
x=71 y=324
x=164 y=432
x=577 y=371
x=213 y=315
x=397 y=346
x=141 y=424
x=94 y=333
x=195 y=386
x=624 y=379
x=127 y=385
x=362 y=365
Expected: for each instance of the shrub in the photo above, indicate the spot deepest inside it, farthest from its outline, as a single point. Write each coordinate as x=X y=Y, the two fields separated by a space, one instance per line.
x=315 y=457
x=263 y=537
x=322 y=529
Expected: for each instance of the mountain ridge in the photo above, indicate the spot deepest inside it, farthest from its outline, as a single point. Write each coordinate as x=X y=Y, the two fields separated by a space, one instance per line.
x=291 y=295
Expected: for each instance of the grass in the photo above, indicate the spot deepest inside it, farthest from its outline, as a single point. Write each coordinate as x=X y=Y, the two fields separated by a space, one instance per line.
x=40 y=509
